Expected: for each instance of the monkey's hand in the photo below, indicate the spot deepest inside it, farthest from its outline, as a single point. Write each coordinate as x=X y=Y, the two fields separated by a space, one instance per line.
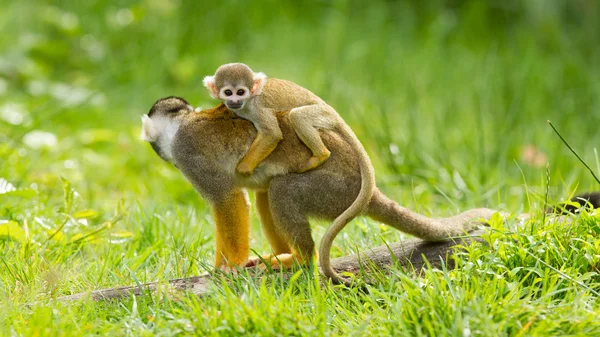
x=245 y=168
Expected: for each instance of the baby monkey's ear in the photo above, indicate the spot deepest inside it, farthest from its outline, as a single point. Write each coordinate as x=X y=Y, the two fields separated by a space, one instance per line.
x=259 y=81
x=209 y=83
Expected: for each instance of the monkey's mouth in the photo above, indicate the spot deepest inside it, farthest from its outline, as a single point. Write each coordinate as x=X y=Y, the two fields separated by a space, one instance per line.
x=234 y=106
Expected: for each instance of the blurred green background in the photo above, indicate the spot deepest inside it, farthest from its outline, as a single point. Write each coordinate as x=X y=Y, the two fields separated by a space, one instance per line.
x=450 y=98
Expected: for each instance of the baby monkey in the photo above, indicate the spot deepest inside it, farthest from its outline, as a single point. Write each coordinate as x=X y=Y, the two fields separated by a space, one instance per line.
x=253 y=97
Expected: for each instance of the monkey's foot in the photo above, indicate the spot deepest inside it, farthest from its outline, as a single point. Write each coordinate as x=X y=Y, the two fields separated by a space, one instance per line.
x=314 y=162
x=281 y=261
x=275 y=262
x=255 y=260
x=245 y=168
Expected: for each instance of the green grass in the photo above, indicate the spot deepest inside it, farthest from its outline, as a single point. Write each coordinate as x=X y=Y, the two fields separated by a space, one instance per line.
x=447 y=97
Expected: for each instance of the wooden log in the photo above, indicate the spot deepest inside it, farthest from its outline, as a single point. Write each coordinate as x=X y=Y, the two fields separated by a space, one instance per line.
x=409 y=253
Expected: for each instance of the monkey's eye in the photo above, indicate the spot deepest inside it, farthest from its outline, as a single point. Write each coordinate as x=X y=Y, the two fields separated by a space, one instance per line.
x=228 y=92
x=240 y=92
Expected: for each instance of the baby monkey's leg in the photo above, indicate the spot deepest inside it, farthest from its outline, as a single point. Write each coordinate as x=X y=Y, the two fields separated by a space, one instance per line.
x=305 y=120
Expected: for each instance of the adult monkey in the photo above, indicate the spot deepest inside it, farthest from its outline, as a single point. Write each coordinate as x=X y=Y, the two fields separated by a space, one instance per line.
x=207 y=145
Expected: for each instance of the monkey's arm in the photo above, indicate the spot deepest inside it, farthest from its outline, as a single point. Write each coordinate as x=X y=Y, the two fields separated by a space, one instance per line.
x=232 y=224
x=267 y=137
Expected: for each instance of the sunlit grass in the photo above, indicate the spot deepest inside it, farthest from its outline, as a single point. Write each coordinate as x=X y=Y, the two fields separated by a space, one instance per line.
x=451 y=102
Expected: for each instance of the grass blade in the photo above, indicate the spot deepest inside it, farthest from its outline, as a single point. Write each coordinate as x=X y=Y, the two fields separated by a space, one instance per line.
x=575 y=153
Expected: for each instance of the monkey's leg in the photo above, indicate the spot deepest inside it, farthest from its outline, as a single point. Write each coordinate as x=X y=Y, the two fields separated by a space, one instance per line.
x=304 y=120
x=232 y=221
x=291 y=224
x=278 y=243
x=268 y=136
x=385 y=210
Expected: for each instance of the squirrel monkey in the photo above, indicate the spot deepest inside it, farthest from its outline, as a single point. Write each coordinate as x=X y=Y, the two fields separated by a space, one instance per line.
x=253 y=97
x=206 y=146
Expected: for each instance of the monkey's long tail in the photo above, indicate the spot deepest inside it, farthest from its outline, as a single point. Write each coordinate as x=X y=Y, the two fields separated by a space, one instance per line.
x=367 y=187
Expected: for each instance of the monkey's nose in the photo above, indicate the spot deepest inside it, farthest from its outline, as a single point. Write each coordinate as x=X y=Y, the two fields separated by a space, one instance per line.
x=234 y=104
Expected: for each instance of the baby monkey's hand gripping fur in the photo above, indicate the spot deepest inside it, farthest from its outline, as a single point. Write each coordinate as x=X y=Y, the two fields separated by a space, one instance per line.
x=252 y=96
x=207 y=145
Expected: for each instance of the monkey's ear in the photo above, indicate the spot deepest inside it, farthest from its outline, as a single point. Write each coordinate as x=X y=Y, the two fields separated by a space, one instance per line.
x=259 y=81
x=149 y=133
x=209 y=83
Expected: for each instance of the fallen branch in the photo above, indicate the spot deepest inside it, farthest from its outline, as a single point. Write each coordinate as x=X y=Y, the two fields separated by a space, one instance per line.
x=409 y=253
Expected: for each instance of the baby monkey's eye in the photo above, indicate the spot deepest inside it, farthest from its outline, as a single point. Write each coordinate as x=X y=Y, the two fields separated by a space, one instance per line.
x=228 y=92
x=240 y=92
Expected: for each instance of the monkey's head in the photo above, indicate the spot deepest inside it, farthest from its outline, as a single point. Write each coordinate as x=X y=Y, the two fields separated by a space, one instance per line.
x=234 y=84
x=162 y=122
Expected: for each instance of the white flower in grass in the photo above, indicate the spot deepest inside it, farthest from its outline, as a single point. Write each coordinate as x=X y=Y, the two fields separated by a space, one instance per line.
x=13 y=113
x=38 y=139
x=5 y=186
x=37 y=88
x=69 y=95
x=124 y=16
x=94 y=48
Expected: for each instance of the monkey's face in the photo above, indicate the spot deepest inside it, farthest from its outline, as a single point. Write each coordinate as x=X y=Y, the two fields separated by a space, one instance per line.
x=234 y=84
x=234 y=96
